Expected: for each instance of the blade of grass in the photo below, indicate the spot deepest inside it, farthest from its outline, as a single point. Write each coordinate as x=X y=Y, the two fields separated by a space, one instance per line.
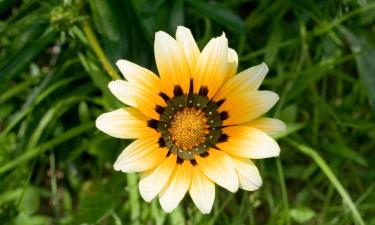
x=73 y=132
x=284 y=193
x=133 y=198
x=331 y=176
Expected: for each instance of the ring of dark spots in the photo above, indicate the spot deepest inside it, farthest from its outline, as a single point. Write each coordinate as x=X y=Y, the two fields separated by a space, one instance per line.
x=199 y=101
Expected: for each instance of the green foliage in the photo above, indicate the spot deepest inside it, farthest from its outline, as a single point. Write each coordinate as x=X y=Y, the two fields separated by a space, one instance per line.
x=55 y=62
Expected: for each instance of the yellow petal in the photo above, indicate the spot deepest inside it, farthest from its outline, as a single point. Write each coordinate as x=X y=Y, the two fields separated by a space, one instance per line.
x=248 y=174
x=232 y=64
x=270 y=126
x=202 y=191
x=244 y=107
x=249 y=142
x=219 y=167
x=246 y=81
x=187 y=43
x=171 y=62
x=127 y=123
x=153 y=181
x=139 y=98
x=177 y=187
x=141 y=155
x=212 y=65
x=140 y=77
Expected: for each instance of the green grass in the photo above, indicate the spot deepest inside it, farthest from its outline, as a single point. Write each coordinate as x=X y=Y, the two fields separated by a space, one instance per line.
x=56 y=58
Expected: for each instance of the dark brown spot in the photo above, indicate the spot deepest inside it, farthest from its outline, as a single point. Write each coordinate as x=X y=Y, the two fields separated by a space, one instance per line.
x=224 y=115
x=161 y=142
x=168 y=154
x=193 y=162
x=204 y=154
x=223 y=138
x=203 y=91
x=179 y=160
x=191 y=87
x=177 y=91
x=164 y=96
x=220 y=102
x=152 y=123
x=159 y=109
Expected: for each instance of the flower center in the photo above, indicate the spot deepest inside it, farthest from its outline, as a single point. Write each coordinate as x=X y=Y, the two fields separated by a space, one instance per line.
x=189 y=128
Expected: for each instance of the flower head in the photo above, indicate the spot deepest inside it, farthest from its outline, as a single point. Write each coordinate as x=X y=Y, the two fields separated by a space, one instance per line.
x=196 y=124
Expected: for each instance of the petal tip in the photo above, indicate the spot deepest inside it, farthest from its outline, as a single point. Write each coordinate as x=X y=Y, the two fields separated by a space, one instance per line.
x=99 y=121
x=116 y=166
x=120 y=62
x=183 y=29
x=161 y=35
x=146 y=196
x=264 y=67
x=166 y=206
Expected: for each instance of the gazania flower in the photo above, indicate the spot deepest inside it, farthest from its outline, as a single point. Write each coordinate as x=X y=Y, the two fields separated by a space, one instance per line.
x=196 y=124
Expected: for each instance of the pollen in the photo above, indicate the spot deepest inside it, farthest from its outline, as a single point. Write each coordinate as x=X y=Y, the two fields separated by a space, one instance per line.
x=189 y=128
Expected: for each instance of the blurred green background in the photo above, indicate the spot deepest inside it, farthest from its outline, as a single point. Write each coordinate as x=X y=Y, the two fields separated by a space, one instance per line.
x=55 y=62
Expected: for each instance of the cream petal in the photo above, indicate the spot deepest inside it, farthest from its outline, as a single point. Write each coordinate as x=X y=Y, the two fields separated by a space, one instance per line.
x=249 y=142
x=187 y=43
x=244 y=107
x=153 y=181
x=202 y=191
x=271 y=126
x=139 y=98
x=212 y=65
x=232 y=64
x=177 y=187
x=218 y=167
x=171 y=62
x=141 y=155
x=126 y=123
x=140 y=77
x=246 y=81
x=248 y=174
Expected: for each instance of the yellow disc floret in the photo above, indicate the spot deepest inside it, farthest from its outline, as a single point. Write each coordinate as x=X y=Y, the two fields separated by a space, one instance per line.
x=189 y=128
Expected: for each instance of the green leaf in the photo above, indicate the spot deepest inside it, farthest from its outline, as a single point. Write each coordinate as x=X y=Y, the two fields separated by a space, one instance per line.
x=30 y=201
x=364 y=56
x=302 y=214
x=23 y=57
x=222 y=16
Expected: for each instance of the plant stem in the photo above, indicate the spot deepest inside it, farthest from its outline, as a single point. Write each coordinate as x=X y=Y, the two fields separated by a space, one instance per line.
x=283 y=190
x=94 y=43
